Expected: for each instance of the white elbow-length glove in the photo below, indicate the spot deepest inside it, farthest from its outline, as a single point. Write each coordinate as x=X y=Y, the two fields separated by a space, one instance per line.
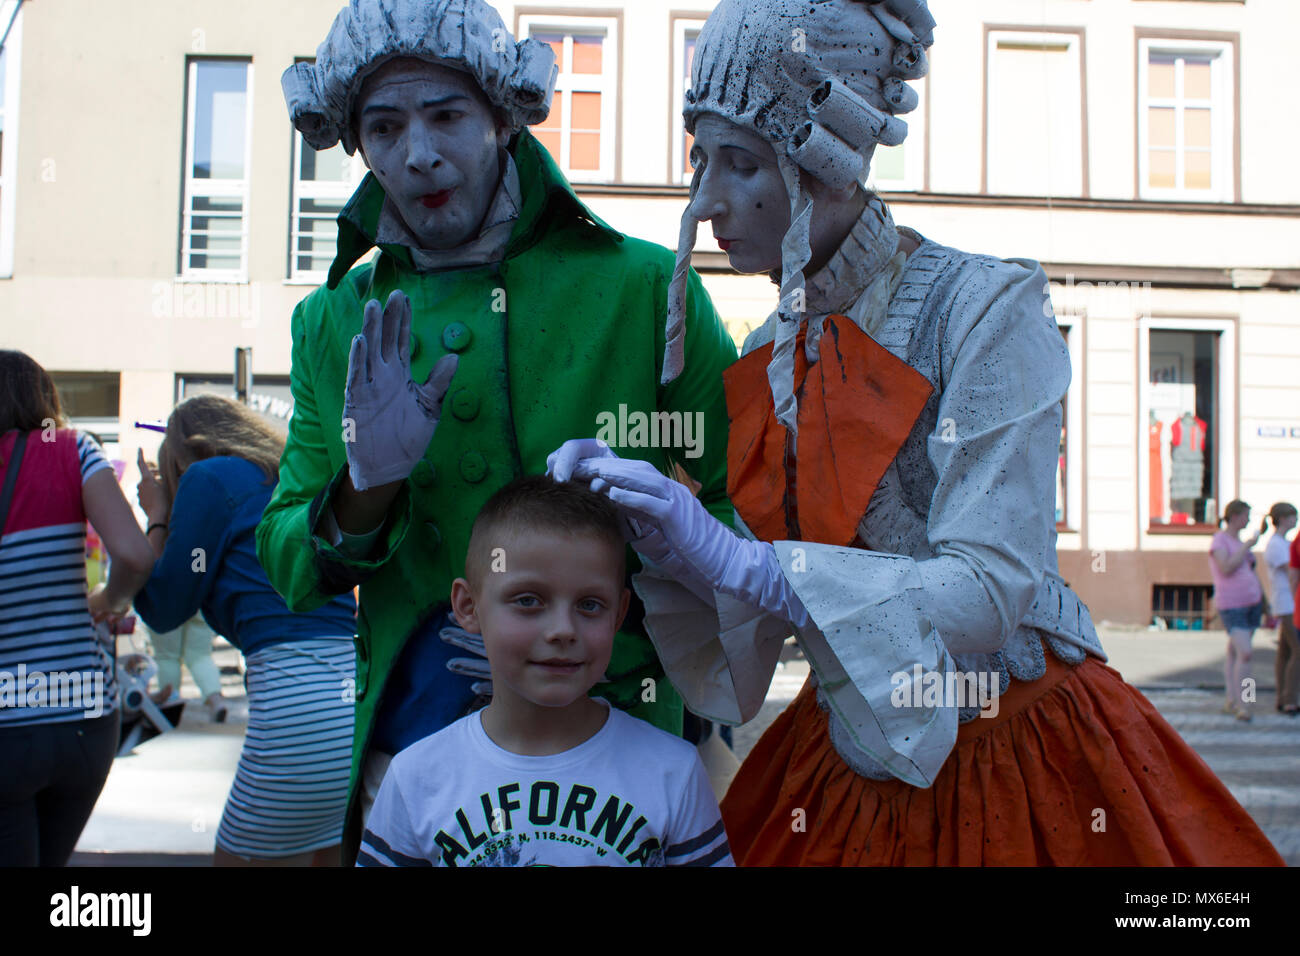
x=389 y=420
x=747 y=570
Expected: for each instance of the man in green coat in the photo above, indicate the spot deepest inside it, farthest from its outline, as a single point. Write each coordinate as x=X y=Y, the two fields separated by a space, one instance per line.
x=528 y=321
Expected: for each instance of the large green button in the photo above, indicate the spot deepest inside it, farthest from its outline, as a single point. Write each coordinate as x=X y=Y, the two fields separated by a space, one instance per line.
x=464 y=405
x=473 y=467
x=432 y=535
x=456 y=337
x=415 y=346
x=423 y=475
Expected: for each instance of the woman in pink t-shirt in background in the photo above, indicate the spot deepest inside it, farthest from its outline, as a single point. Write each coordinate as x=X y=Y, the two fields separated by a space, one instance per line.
x=1239 y=598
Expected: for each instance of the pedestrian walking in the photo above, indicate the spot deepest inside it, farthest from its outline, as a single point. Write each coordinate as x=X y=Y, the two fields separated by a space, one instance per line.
x=56 y=748
x=1239 y=599
x=191 y=643
x=1277 y=554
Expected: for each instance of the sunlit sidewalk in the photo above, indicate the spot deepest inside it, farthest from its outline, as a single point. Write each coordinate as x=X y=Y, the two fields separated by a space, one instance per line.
x=167 y=797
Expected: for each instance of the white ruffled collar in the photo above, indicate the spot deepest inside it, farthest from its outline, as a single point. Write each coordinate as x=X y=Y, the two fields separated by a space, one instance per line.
x=866 y=251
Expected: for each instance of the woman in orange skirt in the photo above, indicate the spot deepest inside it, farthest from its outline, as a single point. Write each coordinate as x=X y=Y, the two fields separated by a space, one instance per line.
x=891 y=458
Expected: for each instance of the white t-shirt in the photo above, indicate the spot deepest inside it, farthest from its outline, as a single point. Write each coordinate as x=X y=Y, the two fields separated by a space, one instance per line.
x=1277 y=556
x=631 y=795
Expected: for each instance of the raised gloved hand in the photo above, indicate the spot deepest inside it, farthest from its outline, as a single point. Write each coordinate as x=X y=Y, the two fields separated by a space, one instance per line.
x=686 y=532
x=388 y=420
x=476 y=667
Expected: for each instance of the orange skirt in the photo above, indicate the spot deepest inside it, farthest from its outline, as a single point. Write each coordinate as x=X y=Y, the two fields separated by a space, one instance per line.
x=1078 y=768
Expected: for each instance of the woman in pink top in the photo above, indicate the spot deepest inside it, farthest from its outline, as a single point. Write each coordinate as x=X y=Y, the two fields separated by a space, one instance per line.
x=1239 y=598
x=59 y=713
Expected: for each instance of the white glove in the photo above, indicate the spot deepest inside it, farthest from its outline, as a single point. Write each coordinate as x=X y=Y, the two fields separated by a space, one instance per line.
x=747 y=570
x=650 y=543
x=645 y=539
x=476 y=667
x=561 y=462
x=388 y=420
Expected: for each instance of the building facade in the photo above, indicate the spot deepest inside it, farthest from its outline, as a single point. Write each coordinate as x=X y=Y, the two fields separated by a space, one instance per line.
x=157 y=212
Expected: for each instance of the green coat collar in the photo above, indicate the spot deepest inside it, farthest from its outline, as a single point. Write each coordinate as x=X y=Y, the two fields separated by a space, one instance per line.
x=545 y=192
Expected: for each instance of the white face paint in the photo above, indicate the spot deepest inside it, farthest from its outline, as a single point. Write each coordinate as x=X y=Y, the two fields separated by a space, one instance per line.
x=428 y=134
x=742 y=193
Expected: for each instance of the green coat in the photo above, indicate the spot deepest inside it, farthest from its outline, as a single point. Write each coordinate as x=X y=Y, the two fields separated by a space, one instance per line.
x=552 y=341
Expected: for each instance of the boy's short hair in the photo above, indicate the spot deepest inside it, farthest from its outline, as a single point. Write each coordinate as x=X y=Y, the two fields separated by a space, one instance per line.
x=540 y=503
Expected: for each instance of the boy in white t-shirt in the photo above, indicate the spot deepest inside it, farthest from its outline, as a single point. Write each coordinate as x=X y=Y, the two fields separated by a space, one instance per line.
x=545 y=775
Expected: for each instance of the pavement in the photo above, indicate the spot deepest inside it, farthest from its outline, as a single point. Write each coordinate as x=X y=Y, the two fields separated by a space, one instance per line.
x=161 y=805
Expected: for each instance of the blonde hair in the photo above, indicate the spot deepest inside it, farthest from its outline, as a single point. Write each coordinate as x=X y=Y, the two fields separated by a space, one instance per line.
x=207 y=426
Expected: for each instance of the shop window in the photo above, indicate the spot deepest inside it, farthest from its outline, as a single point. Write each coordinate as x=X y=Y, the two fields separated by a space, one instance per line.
x=88 y=394
x=1187 y=408
x=91 y=402
x=270 y=395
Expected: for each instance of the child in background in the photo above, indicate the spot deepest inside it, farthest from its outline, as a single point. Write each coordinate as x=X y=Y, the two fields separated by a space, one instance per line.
x=545 y=775
x=191 y=644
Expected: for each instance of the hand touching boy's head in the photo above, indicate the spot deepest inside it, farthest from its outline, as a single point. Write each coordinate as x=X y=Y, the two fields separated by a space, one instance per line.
x=544 y=585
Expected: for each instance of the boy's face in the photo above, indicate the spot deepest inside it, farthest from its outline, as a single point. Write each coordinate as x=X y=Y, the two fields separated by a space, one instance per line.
x=547 y=605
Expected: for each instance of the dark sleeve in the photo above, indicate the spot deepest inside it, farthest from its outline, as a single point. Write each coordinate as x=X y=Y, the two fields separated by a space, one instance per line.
x=184 y=576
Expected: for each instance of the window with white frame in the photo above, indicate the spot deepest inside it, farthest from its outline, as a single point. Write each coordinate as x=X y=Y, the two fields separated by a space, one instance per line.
x=686 y=33
x=579 y=133
x=214 y=220
x=1185 y=119
x=1186 y=407
x=901 y=168
x=323 y=182
x=1035 y=114
x=11 y=17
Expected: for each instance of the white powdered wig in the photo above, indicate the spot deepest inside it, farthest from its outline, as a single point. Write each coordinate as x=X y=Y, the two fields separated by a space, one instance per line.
x=823 y=82
x=468 y=35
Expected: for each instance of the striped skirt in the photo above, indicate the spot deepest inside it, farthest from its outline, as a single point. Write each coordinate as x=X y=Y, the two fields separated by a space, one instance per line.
x=291 y=789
